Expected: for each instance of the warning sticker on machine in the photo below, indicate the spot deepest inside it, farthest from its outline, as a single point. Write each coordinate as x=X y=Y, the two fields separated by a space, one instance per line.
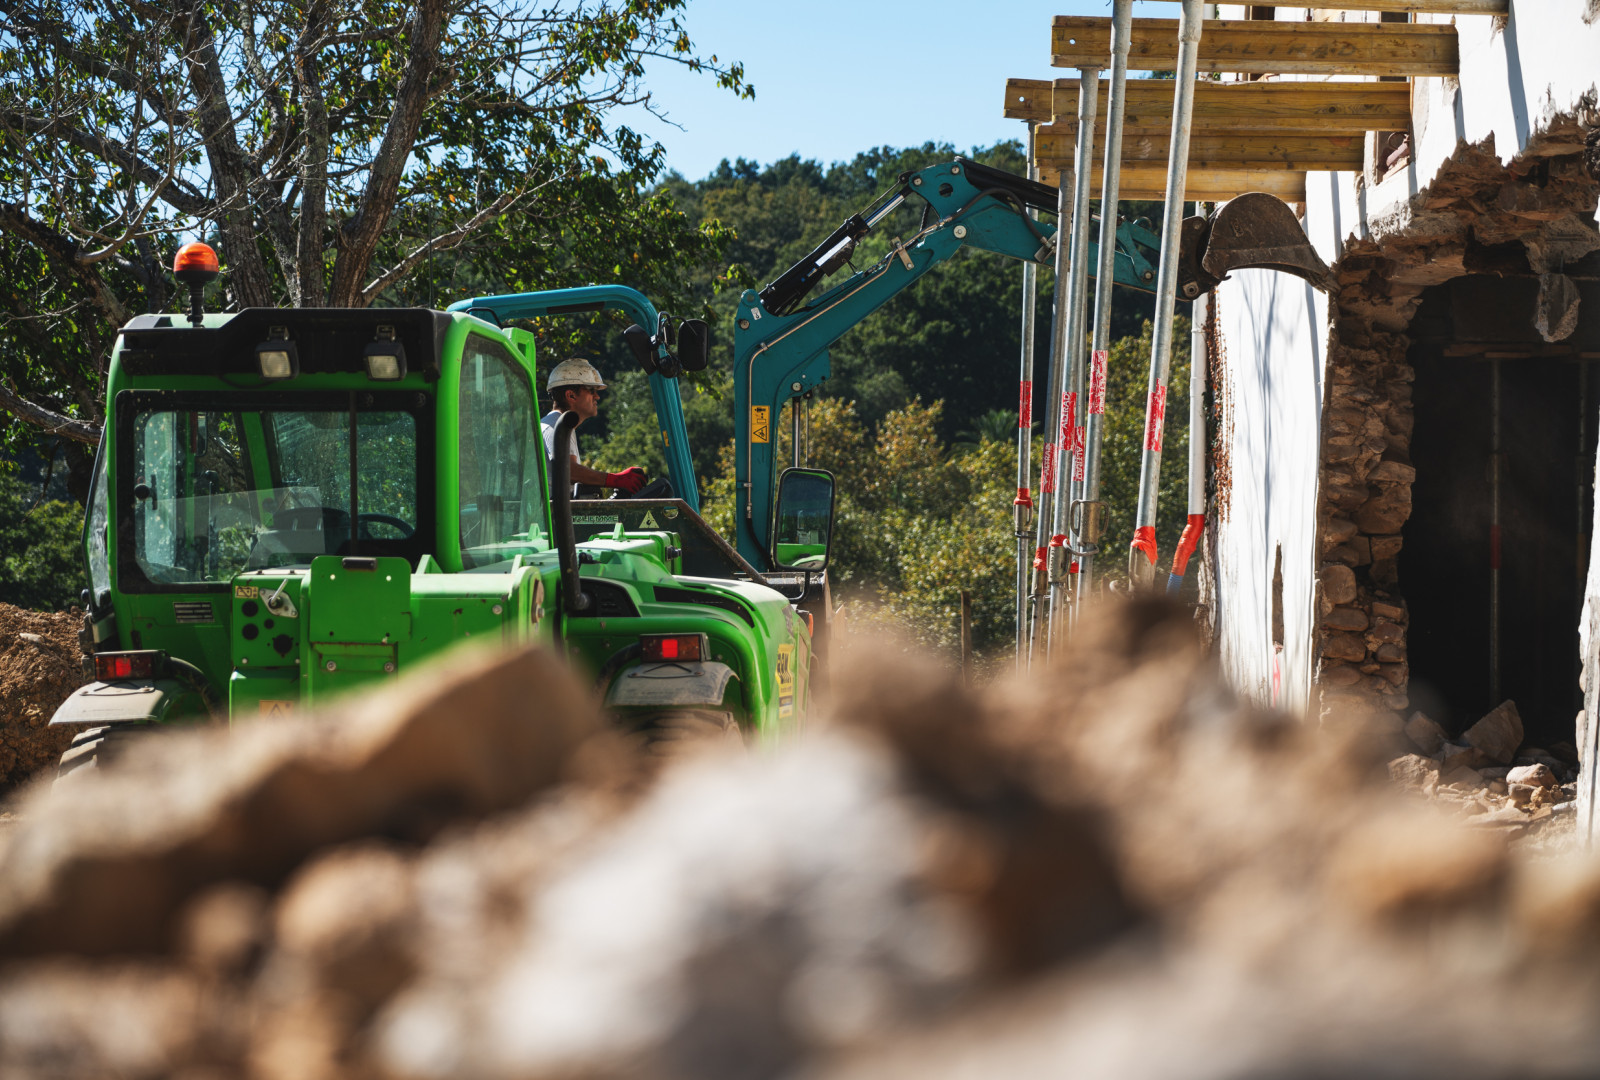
x=649 y=521
x=760 y=429
x=246 y=592
x=269 y=707
x=785 y=681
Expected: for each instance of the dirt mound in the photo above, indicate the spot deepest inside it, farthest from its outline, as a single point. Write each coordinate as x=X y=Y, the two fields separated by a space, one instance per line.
x=1114 y=868
x=40 y=667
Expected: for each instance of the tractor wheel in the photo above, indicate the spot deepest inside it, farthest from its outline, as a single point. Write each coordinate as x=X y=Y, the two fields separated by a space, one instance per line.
x=94 y=748
x=673 y=731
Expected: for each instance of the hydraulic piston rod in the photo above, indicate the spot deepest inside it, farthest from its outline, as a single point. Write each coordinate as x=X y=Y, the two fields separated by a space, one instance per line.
x=1086 y=516
x=1022 y=507
x=1142 y=553
x=1070 y=431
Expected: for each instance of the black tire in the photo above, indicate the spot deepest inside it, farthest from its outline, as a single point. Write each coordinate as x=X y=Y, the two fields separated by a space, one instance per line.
x=674 y=731
x=93 y=749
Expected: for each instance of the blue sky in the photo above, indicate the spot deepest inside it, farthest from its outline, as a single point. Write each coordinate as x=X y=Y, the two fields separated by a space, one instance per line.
x=834 y=77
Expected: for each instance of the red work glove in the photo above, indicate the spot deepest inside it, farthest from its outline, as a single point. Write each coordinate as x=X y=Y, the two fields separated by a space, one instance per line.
x=628 y=480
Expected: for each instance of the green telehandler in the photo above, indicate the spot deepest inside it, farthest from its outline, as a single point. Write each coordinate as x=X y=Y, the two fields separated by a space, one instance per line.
x=290 y=503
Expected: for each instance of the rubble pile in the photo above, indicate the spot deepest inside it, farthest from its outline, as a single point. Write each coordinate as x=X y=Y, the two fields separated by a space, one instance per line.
x=1112 y=868
x=40 y=666
x=1475 y=216
x=1487 y=774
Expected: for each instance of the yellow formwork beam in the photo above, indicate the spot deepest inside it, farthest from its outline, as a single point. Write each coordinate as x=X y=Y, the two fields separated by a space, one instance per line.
x=1225 y=151
x=1206 y=185
x=1258 y=108
x=1432 y=7
x=1259 y=47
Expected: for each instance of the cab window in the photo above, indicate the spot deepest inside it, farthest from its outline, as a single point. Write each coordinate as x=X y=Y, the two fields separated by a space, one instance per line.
x=501 y=491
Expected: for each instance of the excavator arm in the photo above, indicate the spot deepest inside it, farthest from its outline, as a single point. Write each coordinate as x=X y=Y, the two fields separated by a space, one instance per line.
x=781 y=343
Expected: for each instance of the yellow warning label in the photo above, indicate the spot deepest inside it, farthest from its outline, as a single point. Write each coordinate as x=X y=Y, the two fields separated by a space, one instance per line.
x=760 y=429
x=269 y=707
x=246 y=592
x=649 y=521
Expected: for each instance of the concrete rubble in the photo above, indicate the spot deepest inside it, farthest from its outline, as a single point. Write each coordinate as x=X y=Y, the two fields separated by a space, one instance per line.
x=1116 y=868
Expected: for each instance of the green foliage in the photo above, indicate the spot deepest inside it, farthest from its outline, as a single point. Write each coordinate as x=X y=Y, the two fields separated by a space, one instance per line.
x=348 y=154
x=41 y=562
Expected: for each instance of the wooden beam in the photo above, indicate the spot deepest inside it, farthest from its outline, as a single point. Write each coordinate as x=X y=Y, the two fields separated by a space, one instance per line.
x=1263 y=48
x=1297 y=153
x=1206 y=185
x=1029 y=99
x=1258 y=108
x=1436 y=7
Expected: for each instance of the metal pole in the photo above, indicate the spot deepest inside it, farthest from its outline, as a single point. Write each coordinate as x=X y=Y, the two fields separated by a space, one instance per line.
x=1142 y=553
x=1022 y=507
x=1195 y=527
x=1052 y=456
x=1494 y=533
x=1070 y=432
x=1087 y=520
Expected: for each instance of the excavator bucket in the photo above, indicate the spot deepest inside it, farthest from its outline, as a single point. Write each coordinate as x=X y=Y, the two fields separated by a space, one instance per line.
x=1253 y=230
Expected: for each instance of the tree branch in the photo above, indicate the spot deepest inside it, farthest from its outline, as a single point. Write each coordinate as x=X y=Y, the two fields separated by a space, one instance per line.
x=62 y=254
x=53 y=422
x=229 y=166
x=358 y=239
x=443 y=242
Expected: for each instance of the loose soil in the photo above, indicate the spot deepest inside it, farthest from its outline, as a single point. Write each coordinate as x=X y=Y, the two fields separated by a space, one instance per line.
x=40 y=667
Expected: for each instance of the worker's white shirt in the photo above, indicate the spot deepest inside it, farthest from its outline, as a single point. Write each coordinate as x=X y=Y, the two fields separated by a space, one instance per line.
x=548 y=422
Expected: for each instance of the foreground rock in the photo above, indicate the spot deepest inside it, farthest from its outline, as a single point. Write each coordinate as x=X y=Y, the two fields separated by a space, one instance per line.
x=1114 y=869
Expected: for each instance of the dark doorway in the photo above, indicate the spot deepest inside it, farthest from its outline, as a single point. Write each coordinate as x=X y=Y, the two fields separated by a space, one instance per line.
x=1546 y=473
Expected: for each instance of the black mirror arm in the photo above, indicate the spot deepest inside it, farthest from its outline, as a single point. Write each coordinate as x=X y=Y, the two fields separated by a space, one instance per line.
x=561 y=510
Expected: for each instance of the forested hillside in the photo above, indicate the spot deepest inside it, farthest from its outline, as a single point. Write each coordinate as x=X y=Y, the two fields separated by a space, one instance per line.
x=919 y=416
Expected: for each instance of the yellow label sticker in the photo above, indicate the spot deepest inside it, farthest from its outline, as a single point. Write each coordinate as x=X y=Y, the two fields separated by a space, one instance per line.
x=760 y=429
x=785 y=670
x=268 y=707
x=246 y=592
x=649 y=521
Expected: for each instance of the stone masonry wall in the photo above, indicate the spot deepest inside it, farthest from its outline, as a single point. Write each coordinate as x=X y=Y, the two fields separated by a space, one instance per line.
x=1477 y=216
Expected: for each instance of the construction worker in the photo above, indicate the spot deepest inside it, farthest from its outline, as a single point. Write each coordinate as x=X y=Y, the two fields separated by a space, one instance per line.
x=575 y=386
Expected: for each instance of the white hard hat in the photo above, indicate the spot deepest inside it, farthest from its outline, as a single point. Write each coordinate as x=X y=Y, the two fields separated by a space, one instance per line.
x=575 y=373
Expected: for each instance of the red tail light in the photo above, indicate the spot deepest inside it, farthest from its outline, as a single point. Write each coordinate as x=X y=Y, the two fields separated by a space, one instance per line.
x=667 y=647
x=111 y=667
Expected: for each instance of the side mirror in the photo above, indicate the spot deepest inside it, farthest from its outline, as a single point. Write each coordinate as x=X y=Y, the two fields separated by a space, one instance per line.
x=642 y=347
x=802 y=526
x=694 y=344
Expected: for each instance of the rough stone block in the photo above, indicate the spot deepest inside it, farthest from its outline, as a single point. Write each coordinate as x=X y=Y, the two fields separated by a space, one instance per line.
x=1415 y=771
x=1385 y=547
x=1385 y=631
x=1395 y=674
x=1386 y=511
x=1391 y=472
x=1498 y=734
x=1538 y=775
x=1342 y=646
x=1336 y=530
x=1389 y=653
x=1461 y=755
x=1345 y=618
x=1337 y=674
x=1427 y=735
x=1338 y=583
